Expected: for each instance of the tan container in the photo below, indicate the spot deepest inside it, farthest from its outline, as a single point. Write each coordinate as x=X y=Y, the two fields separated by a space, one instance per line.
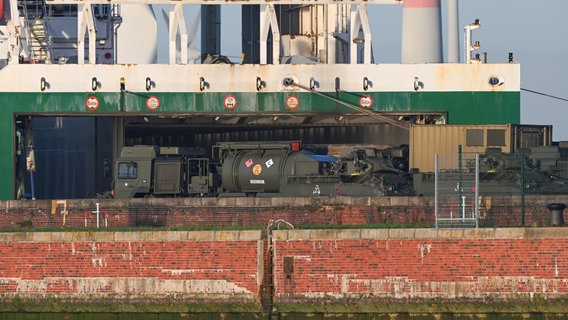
x=428 y=140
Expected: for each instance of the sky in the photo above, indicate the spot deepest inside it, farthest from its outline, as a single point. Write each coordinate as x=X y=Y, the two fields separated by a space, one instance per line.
x=536 y=32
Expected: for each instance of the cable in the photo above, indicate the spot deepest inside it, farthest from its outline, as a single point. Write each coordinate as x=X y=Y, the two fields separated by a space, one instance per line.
x=290 y=82
x=544 y=94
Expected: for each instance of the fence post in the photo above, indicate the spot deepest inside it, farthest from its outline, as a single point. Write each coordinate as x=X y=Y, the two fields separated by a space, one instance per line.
x=460 y=173
x=476 y=203
x=436 y=188
x=523 y=188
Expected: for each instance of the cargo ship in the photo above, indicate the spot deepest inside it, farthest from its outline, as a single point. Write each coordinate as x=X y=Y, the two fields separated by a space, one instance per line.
x=81 y=81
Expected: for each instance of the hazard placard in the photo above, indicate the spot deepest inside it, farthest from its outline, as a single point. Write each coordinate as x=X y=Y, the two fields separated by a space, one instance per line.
x=257 y=169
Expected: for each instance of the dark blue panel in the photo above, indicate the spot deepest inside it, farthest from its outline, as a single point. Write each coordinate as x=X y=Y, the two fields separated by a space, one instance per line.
x=64 y=156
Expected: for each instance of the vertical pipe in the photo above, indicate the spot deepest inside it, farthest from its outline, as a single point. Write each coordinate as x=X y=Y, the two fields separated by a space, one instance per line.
x=32 y=185
x=98 y=213
x=467 y=44
x=453 y=31
x=421 y=31
x=326 y=33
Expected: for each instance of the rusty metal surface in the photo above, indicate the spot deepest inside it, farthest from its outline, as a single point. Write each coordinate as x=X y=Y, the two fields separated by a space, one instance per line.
x=428 y=140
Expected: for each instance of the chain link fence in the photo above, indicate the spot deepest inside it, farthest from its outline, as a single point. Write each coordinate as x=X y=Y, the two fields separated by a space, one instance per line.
x=456 y=190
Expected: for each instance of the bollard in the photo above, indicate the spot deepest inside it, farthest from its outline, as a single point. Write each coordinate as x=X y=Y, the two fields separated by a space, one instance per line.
x=556 y=217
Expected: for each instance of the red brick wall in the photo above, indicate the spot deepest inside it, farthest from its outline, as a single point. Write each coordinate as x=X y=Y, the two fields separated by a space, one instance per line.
x=411 y=267
x=495 y=211
x=311 y=267
x=161 y=270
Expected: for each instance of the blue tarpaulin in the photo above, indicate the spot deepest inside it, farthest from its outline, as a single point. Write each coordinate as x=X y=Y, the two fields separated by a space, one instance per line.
x=322 y=158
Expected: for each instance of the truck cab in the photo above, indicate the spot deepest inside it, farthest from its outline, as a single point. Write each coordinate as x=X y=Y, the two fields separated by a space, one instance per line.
x=134 y=171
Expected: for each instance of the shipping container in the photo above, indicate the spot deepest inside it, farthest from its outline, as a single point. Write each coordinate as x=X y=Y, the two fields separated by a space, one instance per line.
x=445 y=140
